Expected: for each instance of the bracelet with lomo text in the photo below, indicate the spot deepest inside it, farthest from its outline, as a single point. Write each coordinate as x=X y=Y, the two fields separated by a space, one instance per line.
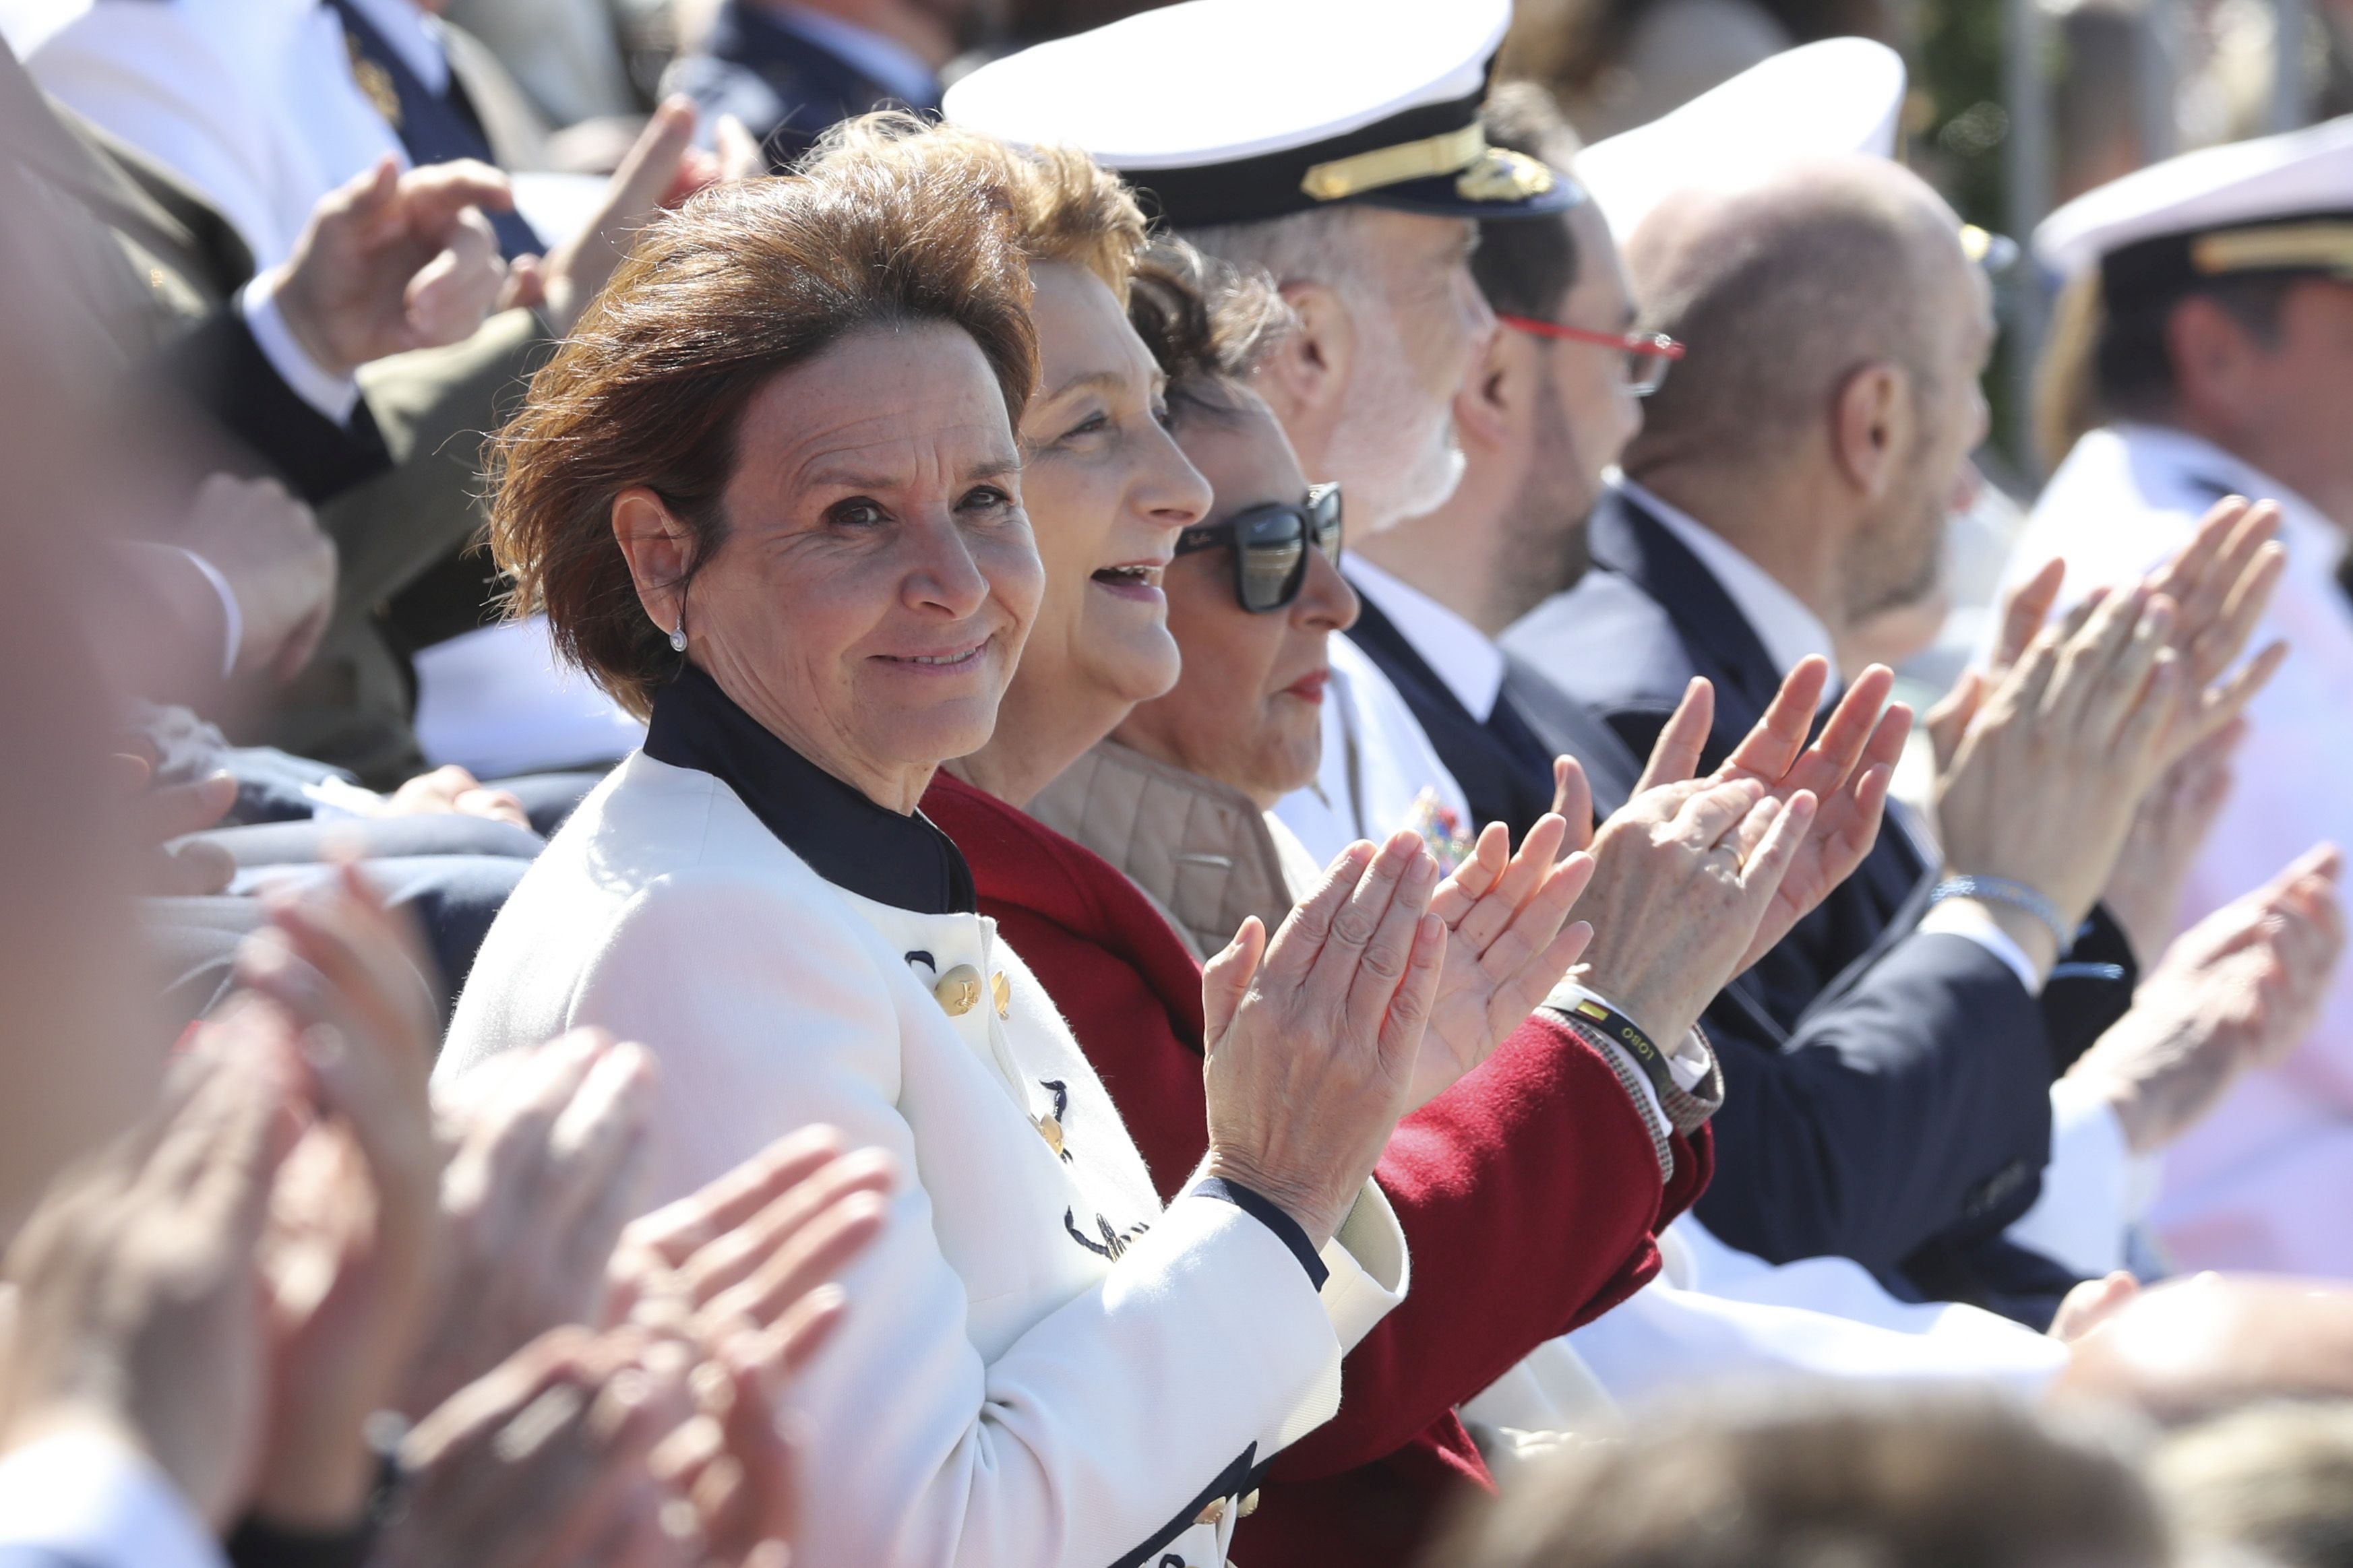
x=1615 y=1027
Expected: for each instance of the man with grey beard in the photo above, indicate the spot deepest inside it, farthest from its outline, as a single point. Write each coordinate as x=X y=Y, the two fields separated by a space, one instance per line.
x=1367 y=228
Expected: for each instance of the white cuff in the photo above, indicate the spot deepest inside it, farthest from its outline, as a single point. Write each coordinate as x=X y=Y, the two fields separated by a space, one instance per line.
x=2090 y=1189
x=95 y=1500
x=1955 y=917
x=1369 y=1272
x=1687 y=1065
x=333 y=395
x=232 y=613
x=335 y=799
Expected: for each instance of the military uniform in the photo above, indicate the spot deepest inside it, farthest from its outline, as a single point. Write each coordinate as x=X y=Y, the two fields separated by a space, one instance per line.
x=154 y=273
x=2248 y=1186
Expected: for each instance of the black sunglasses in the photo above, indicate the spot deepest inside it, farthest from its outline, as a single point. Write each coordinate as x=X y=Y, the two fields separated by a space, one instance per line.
x=1269 y=545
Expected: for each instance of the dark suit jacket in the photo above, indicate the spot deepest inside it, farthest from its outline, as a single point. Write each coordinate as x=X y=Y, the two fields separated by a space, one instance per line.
x=784 y=87
x=1504 y=770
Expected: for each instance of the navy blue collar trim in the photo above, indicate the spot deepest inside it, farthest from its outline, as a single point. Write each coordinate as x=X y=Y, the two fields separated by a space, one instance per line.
x=847 y=838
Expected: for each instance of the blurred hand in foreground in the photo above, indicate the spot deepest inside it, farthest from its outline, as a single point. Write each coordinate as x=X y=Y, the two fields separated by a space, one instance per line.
x=547 y=1156
x=2237 y=991
x=138 y=1313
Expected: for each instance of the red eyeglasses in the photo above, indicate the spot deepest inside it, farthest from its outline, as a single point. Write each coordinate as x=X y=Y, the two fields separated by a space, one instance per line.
x=1648 y=356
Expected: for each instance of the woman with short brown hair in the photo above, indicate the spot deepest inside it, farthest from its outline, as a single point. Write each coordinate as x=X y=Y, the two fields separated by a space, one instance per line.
x=770 y=494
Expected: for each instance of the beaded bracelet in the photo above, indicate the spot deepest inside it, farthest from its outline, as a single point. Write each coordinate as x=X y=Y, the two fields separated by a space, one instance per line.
x=2002 y=890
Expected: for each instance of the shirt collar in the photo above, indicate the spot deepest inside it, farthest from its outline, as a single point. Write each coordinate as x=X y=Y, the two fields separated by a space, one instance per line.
x=847 y=838
x=2314 y=544
x=415 y=34
x=1466 y=657
x=1781 y=621
x=887 y=62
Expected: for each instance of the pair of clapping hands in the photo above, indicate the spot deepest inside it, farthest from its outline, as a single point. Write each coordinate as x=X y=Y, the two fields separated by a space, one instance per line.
x=298 y=1236
x=1386 y=986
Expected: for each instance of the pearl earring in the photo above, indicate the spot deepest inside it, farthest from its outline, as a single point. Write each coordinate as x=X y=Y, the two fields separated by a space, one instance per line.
x=678 y=636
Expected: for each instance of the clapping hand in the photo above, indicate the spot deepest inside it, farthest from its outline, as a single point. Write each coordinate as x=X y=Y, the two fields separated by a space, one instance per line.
x=138 y=1313
x=1684 y=874
x=354 y=1225
x=1312 y=1038
x=391 y=261
x=1507 y=945
x=2144 y=889
x=583 y=1447
x=547 y=1155
x=1847 y=770
x=751 y=1253
x=2235 y=992
x=2218 y=585
x=2076 y=727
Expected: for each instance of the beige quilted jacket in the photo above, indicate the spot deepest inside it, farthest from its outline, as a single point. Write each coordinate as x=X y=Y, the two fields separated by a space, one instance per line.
x=1201 y=850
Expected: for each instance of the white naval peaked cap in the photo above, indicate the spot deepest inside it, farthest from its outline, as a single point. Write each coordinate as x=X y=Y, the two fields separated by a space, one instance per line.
x=1841 y=95
x=1235 y=110
x=2276 y=203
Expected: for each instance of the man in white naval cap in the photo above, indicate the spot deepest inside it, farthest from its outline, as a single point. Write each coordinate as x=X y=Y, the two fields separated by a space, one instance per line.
x=1547 y=412
x=2206 y=349
x=1791 y=480
x=1337 y=145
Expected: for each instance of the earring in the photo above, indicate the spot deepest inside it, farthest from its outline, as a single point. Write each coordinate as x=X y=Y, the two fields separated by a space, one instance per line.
x=678 y=636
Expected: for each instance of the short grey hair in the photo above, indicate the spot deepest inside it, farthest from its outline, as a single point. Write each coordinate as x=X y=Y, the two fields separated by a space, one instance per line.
x=1322 y=246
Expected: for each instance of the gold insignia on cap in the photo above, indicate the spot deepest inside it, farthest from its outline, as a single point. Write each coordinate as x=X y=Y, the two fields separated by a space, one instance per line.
x=1049 y=1128
x=1211 y=1514
x=958 y=991
x=2327 y=247
x=1000 y=991
x=1446 y=153
x=1503 y=176
x=1250 y=1503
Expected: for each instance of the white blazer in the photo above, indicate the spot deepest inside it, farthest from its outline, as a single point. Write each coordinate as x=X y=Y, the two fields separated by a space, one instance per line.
x=1040 y=1365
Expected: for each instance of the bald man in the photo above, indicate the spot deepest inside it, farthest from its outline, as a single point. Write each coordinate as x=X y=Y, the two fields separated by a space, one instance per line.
x=1790 y=481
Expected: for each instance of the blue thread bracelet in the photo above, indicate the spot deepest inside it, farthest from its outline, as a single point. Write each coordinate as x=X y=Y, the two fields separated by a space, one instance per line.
x=2002 y=890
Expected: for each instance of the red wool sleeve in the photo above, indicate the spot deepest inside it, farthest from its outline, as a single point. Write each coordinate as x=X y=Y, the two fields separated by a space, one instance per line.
x=1528 y=1192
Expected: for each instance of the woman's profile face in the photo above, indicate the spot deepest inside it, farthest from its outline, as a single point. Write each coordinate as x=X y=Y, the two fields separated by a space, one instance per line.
x=1107 y=491
x=869 y=602
x=1248 y=709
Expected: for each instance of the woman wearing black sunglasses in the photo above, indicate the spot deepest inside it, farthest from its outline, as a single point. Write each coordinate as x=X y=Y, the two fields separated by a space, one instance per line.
x=1255 y=595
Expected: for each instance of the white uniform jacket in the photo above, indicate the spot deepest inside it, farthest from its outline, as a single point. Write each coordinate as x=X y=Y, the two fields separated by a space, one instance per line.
x=1040 y=1365
x=2249 y=1187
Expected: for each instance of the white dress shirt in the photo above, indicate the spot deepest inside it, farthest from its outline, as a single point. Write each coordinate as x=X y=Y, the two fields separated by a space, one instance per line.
x=1468 y=660
x=99 y=1504
x=1790 y=631
x=1379 y=772
x=251 y=101
x=2248 y=1187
